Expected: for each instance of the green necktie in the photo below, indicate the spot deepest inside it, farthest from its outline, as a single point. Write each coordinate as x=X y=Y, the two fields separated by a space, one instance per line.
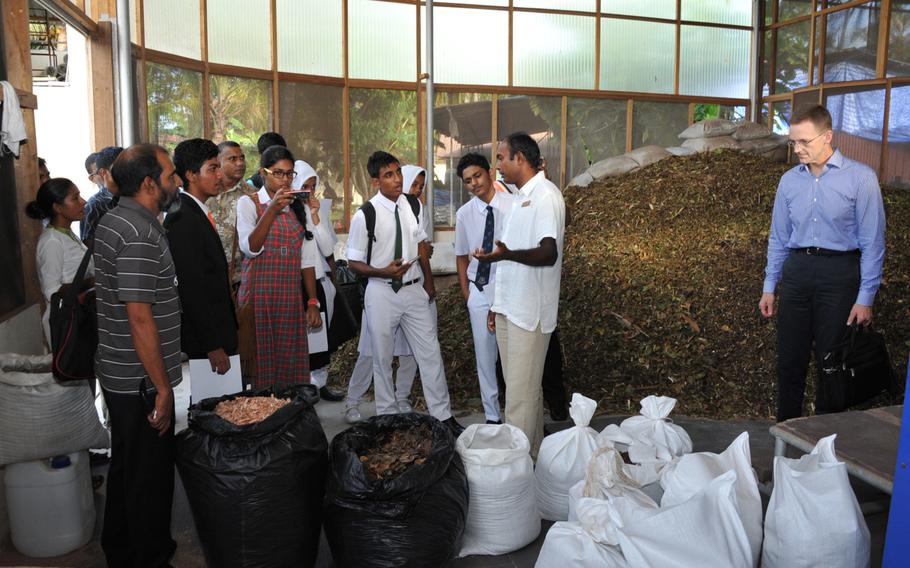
x=396 y=282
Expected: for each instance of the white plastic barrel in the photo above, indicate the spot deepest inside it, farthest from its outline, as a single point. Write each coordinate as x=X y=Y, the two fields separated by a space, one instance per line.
x=51 y=506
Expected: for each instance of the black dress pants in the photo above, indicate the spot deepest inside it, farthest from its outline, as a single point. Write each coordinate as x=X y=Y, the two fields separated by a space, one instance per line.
x=140 y=488
x=816 y=296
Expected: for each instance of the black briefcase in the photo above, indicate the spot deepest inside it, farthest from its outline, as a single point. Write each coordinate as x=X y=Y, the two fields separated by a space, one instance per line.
x=856 y=370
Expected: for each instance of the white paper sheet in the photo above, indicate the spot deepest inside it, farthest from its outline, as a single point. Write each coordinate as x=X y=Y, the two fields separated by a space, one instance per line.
x=205 y=383
x=318 y=337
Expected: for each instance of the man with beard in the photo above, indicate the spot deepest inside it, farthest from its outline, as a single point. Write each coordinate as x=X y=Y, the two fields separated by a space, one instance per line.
x=208 y=328
x=224 y=205
x=138 y=358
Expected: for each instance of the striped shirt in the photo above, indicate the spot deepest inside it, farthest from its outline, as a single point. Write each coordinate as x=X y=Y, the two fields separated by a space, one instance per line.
x=133 y=264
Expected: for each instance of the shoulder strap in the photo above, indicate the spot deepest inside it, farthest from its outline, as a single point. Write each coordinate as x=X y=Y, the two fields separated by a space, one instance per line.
x=369 y=215
x=78 y=278
x=414 y=202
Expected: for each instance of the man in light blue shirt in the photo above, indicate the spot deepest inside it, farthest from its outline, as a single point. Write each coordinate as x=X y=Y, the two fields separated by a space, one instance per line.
x=825 y=250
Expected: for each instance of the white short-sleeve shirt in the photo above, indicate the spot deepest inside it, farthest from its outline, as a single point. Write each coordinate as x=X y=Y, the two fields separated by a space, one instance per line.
x=383 y=252
x=529 y=295
x=470 y=223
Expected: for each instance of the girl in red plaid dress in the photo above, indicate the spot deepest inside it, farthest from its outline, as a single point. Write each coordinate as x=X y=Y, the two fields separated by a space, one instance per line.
x=271 y=235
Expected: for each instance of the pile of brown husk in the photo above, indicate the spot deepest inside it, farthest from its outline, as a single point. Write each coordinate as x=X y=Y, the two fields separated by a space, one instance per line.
x=661 y=280
x=396 y=451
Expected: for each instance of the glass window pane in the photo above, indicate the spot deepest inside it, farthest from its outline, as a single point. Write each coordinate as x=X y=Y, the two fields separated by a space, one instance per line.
x=857 y=115
x=649 y=9
x=897 y=166
x=725 y=112
x=468 y=62
x=381 y=119
x=658 y=123
x=240 y=110
x=595 y=130
x=767 y=47
x=541 y=117
x=763 y=114
x=316 y=48
x=708 y=71
x=768 y=14
x=738 y=12
x=246 y=42
x=134 y=18
x=373 y=54
x=312 y=122
x=174 y=104
x=804 y=100
x=780 y=122
x=788 y=9
x=817 y=50
x=899 y=39
x=851 y=43
x=553 y=50
x=173 y=26
x=463 y=123
x=577 y=5
x=792 y=57
x=637 y=56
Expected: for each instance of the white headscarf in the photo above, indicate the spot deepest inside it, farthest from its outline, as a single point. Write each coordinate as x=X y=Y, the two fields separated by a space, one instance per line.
x=304 y=172
x=409 y=173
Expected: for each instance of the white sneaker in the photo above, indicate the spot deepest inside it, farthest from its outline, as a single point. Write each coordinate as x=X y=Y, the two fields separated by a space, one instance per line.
x=404 y=407
x=352 y=415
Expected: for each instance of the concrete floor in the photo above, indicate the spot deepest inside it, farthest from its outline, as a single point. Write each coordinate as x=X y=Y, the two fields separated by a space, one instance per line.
x=707 y=435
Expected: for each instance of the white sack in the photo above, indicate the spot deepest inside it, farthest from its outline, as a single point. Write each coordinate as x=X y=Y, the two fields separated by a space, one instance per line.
x=813 y=518
x=655 y=437
x=568 y=545
x=502 y=512
x=689 y=475
x=710 y=144
x=39 y=417
x=563 y=460
x=647 y=155
x=709 y=128
x=748 y=130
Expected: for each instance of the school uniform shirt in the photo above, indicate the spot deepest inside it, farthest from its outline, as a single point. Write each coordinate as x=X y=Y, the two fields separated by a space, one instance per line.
x=57 y=257
x=528 y=296
x=470 y=223
x=384 y=247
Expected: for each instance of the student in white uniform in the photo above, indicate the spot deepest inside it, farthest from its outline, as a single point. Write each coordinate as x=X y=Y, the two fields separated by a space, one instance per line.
x=314 y=255
x=396 y=295
x=478 y=225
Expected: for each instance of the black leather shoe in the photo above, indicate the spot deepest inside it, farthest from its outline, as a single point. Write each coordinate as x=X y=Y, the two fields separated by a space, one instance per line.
x=494 y=421
x=453 y=426
x=326 y=394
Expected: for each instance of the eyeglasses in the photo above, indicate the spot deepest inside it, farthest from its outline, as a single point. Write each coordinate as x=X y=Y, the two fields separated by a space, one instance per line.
x=803 y=143
x=278 y=174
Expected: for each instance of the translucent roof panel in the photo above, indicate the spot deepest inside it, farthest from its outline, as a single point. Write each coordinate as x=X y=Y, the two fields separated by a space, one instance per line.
x=738 y=12
x=637 y=56
x=314 y=48
x=576 y=5
x=382 y=40
x=650 y=9
x=468 y=62
x=553 y=50
x=239 y=33
x=173 y=26
x=707 y=69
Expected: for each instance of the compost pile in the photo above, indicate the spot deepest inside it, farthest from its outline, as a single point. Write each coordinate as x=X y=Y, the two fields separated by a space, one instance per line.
x=397 y=450
x=249 y=410
x=661 y=280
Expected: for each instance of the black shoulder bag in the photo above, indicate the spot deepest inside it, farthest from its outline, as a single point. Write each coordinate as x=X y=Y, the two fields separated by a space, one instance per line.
x=74 y=329
x=856 y=370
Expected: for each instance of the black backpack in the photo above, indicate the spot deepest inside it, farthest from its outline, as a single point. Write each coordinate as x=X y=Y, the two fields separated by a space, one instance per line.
x=369 y=215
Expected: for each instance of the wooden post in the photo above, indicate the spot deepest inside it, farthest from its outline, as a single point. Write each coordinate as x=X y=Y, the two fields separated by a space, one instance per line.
x=101 y=84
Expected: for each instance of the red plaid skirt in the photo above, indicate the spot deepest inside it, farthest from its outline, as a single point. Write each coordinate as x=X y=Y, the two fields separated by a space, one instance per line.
x=281 y=332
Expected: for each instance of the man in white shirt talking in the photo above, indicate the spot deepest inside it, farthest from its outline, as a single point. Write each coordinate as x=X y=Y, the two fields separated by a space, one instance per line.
x=527 y=281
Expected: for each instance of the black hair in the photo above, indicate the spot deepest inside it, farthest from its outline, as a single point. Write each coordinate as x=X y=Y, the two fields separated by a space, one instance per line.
x=90 y=161
x=274 y=154
x=227 y=144
x=54 y=190
x=42 y=163
x=189 y=156
x=135 y=164
x=379 y=160
x=107 y=156
x=522 y=143
x=269 y=139
x=472 y=159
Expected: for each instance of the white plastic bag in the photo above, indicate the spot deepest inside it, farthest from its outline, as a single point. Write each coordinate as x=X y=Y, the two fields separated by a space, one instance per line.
x=607 y=476
x=655 y=437
x=569 y=545
x=39 y=417
x=691 y=473
x=563 y=460
x=813 y=518
x=502 y=513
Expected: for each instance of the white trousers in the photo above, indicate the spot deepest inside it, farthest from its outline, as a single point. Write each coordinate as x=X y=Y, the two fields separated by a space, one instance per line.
x=362 y=375
x=411 y=310
x=479 y=302
x=320 y=376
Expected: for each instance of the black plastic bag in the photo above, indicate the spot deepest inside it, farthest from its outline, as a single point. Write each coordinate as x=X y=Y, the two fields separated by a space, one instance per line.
x=256 y=491
x=415 y=519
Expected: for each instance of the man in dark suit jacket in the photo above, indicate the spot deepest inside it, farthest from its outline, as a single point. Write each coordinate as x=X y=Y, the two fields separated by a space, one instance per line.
x=208 y=327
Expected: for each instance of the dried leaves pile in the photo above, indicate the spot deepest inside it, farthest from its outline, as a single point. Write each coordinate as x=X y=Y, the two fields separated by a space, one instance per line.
x=662 y=275
x=396 y=451
x=245 y=410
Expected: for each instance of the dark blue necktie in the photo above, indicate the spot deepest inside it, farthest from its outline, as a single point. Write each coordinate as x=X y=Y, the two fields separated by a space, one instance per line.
x=483 y=268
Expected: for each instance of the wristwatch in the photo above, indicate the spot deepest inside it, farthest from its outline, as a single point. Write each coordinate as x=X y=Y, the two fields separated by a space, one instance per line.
x=314 y=302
